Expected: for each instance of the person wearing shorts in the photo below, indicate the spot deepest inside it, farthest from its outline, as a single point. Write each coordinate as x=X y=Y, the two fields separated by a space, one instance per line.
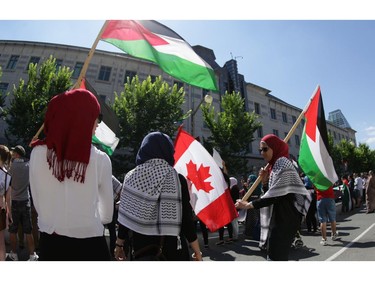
x=326 y=209
x=21 y=203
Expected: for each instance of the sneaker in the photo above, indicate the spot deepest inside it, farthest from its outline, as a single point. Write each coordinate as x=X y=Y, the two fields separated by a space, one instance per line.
x=221 y=242
x=33 y=257
x=228 y=241
x=335 y=236
x=12 y=256
x=298 y=243
x=323 y=242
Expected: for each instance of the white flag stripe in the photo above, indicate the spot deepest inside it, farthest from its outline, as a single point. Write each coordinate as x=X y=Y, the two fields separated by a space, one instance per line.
x=181 y=49
x=321 y=157
x=106 y=136
x=199 y=155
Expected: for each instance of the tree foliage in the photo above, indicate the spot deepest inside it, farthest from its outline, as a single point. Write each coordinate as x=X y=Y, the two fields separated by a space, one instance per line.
x=232 y=131
x=27 y=108
x=144 y=107
x=348 y=158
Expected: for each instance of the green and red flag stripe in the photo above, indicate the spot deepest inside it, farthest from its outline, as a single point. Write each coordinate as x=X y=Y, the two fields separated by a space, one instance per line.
x=152 y=41
x=314 y=157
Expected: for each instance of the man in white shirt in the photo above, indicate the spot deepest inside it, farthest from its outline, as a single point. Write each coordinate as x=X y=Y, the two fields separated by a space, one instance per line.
x=358 y=189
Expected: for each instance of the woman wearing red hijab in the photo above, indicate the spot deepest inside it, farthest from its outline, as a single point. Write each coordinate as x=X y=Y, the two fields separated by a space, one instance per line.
x=285 y=202
x=71 y=181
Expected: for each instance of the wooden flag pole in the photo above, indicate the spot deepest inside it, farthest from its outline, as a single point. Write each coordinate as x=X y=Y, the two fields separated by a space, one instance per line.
x=89 y=57
x=81 y=75
x=286 y=139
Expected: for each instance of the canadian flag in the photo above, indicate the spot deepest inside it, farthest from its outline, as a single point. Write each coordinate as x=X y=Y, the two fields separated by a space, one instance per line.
x=209 y=193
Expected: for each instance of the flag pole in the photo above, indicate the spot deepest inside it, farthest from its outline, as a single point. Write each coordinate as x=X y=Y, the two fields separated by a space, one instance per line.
x=286 y=139
x=81 y=75
x=89 y=57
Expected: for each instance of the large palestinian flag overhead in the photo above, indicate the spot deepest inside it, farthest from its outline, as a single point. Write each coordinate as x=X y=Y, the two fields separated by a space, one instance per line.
x=314 y=158
x=155 y=42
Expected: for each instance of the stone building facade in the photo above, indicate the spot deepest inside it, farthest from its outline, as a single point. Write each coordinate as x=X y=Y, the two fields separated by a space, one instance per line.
x=108 y=72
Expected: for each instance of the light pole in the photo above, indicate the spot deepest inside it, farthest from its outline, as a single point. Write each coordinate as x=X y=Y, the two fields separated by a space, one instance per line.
x=208 y=99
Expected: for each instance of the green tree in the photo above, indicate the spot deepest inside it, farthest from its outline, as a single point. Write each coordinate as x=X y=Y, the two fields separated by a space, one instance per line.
x=25 y=115
x=144 y=107
x=337 y=157
x=232 y=131
x=366 y=158
x=346 y=153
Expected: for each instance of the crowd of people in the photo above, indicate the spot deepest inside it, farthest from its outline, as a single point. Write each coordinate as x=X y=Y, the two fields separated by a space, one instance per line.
x=61 y=198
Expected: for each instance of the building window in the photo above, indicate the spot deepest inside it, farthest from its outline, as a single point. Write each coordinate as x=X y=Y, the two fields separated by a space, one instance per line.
x=33 y=60
x=260 y=132
x=297 y=141
x=294 y=119
x=257 y=108
x=12 y=62
x=273 y=113
x=285 y=117
x=104 y=73
x=285 y=134
x=275 y=132
x=179 y=84
x=103 y=98
x=3 y=88
x=129 y=74
x=77 y=69
x=58 y=63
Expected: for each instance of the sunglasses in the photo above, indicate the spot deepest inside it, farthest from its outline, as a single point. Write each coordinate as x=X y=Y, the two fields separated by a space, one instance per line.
x=263 y=149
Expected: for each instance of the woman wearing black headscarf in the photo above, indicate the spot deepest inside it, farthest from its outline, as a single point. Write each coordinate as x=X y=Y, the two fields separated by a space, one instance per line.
x=155 y=217
x=285 y=202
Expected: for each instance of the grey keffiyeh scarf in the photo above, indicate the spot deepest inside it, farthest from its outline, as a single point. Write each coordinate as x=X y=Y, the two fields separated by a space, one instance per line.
x=151 y=202
x=283 y=180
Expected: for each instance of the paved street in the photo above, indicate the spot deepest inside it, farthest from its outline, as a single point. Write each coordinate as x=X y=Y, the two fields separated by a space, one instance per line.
x=356 y=243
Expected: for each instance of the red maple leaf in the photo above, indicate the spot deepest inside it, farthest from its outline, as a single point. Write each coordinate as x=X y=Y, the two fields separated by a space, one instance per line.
x=198 y=177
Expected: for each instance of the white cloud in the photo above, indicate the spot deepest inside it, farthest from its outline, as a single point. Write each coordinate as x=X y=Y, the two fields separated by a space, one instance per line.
x=367 y=136
x=370 y=130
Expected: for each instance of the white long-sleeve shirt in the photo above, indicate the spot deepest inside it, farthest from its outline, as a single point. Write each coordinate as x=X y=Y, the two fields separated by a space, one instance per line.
x=71 y=208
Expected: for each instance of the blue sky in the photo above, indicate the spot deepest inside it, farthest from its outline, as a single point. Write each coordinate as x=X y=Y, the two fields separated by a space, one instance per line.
x=289 y=56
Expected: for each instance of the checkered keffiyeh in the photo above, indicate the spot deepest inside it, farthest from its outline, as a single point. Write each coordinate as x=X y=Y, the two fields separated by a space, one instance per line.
x=150 y=201
x=284 y=179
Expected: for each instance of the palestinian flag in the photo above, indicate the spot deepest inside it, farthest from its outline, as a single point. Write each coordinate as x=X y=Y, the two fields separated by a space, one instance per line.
x=105 y=138
x=314 y=158
x=152 y=41
x=209 y=192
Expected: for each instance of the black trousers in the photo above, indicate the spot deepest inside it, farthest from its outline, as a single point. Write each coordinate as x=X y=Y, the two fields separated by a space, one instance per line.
x=311 y=221
x=230 y=231
x=55 y=247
